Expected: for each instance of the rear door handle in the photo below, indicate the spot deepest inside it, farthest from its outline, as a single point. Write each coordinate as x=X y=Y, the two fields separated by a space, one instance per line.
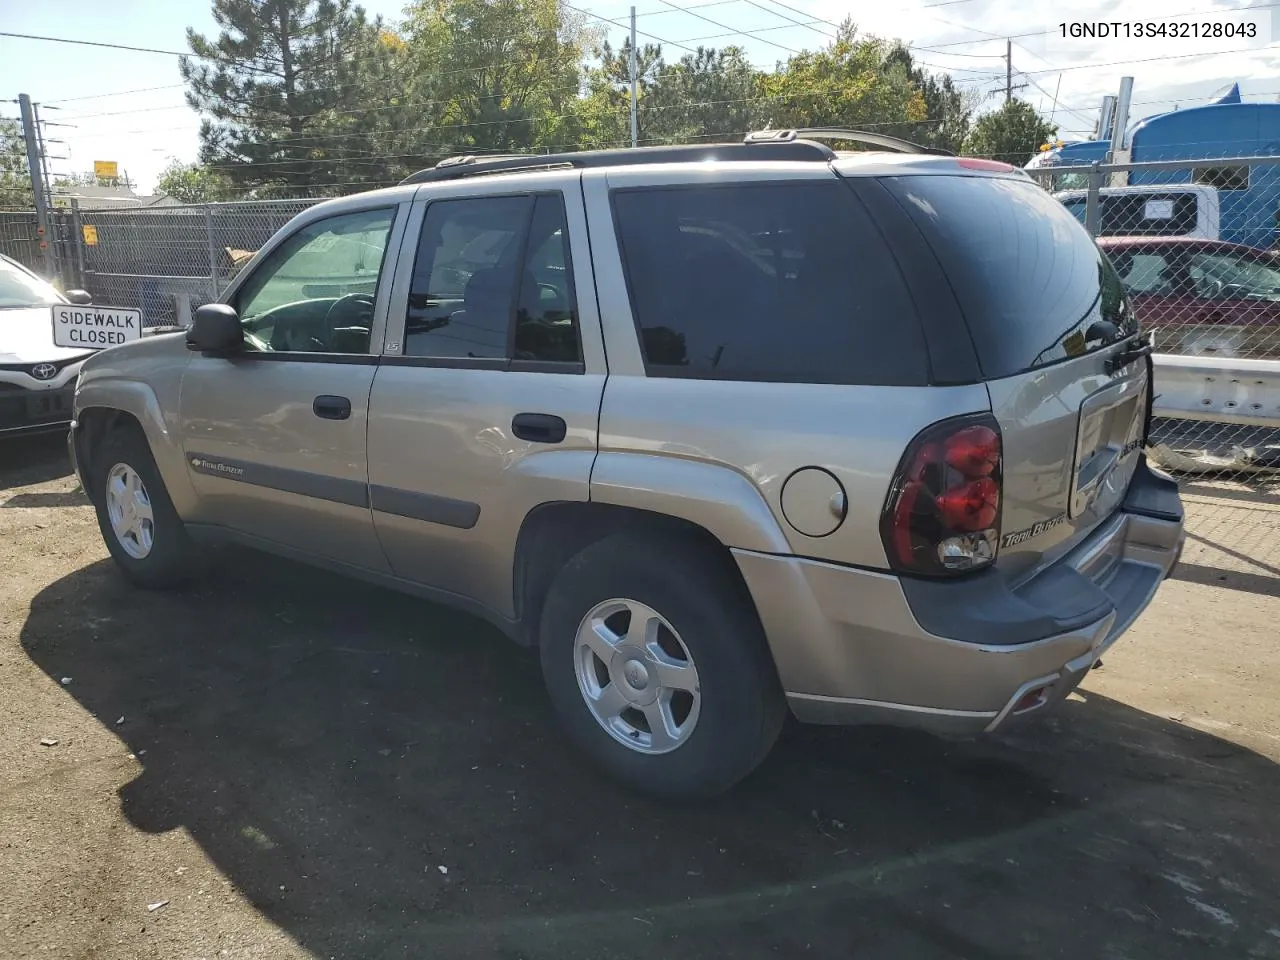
x=329 y=407
x=539 y=427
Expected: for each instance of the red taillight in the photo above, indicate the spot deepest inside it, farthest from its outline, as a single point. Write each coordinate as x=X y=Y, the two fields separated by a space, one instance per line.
x=943 y=512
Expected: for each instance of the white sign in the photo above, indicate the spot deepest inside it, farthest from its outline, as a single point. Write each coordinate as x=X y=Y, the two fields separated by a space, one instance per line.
x=1158 y=210
x=94 y=327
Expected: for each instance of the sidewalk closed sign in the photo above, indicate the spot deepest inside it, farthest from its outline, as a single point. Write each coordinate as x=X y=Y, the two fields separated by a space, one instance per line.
x=95 y=327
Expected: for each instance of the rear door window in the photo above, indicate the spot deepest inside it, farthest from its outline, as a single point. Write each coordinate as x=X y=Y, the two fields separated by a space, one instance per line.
x=1028 y=278
x=786 y=282
x=1171 y=214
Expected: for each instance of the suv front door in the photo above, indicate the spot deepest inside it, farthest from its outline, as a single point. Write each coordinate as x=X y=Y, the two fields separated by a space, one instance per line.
x=274 y=437
x=487 y=399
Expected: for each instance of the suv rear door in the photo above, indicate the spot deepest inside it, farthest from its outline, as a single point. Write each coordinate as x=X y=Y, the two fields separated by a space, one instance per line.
x=1032 y=284
x=486 y=401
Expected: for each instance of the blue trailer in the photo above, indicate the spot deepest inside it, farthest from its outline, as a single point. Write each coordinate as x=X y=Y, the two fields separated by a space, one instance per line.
x=1249 y=194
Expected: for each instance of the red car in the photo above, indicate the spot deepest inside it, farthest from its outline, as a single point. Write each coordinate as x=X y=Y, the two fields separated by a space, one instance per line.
x=1201 y=297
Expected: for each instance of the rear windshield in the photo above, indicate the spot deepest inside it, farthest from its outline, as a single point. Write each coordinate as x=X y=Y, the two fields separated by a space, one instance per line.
x=1029 y=279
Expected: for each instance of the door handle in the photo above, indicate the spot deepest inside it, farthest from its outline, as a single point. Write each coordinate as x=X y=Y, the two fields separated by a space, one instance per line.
x=538 y=427
x=330 y=407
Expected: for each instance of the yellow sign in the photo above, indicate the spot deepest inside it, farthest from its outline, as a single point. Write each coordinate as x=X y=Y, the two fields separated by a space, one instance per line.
x=90 y=235
x=106 y=169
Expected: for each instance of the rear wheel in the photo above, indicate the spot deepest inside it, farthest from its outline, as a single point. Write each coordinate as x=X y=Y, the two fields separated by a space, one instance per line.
x=657 y=665
x=142 y=531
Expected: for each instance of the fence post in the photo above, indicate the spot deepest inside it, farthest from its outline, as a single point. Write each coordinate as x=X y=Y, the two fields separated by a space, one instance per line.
x=213 y=253
x=77 y=227
x=1091 y=205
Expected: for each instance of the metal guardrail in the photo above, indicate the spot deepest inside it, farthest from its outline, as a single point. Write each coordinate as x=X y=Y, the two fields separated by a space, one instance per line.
x=1229 y=391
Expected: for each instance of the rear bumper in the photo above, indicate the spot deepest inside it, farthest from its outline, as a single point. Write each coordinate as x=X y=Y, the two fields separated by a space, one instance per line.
x=851 y=646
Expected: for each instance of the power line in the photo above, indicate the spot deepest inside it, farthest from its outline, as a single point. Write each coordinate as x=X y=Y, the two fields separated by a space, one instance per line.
x=118 y=93
x=798 y=23
x=725 y=26
x=98 y=43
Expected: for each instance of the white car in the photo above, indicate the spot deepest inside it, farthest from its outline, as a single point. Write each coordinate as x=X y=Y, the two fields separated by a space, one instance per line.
x=37 y=378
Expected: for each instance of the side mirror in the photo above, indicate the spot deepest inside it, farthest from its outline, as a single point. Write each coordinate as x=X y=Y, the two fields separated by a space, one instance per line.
x=216 y=330
x=79 y=297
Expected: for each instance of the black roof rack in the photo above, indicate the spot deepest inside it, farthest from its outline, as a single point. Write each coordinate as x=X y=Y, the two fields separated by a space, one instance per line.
x=761 y=145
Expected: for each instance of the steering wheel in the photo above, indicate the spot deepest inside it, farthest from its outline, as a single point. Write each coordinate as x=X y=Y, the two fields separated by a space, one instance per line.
x=360 y=305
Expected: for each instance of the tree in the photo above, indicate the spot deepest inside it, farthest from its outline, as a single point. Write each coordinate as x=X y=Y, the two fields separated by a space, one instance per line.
x=15 y=182
x=280 y=86
x=497 y=75
x=711 y=94
x=603 y=115
x=948 y=109
x=1012 y=134
x=193 y=183
x=852 y=82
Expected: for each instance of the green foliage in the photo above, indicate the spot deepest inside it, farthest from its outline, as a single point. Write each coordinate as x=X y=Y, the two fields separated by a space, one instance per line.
x=850 y=83
x=311 y=97
x=15 y=183
x=1012 y=134
x=193 y=183
x=495 y=75
x=712 y=94
x=280 y=86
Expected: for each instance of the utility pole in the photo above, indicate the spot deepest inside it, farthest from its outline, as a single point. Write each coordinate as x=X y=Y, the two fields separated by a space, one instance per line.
x=1008 y=71
x=634 y=82
x=35 y=167
x=1009 y=85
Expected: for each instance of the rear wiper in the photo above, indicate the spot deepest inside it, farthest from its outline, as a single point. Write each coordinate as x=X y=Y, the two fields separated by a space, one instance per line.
x=1134 y=348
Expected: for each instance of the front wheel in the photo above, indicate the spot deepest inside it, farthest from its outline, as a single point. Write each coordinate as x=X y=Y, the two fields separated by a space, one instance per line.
x=142 y=531
x=657 y=665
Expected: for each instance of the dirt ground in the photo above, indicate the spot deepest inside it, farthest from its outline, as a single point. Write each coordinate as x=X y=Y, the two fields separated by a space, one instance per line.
x=278 y=763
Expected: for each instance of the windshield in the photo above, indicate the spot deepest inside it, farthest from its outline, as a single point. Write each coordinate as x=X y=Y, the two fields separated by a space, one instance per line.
x=1231 y=276
x=21 y=289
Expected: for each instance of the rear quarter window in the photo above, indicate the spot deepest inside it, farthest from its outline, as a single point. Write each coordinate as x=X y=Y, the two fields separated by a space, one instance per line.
x=785 y=282
x=1029 y=279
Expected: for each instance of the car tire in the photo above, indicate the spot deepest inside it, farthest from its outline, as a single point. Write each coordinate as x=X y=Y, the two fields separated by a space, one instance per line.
x=148 y=543
x=705 y=619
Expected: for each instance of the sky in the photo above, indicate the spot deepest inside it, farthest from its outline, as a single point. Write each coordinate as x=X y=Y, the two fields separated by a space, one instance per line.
x=129 y=107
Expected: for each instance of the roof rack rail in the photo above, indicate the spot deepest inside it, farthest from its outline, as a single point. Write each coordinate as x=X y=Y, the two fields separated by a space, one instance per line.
x=456 y=168
x=882 y=140
x=800 y=144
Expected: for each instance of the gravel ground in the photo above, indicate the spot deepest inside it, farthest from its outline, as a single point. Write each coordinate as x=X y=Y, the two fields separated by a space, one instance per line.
x=278 y=763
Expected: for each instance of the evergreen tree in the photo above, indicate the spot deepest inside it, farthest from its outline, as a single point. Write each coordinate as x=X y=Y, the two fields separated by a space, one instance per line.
x=280 y=86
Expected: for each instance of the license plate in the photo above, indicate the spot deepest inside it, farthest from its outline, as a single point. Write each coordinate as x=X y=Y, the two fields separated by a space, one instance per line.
x=46 y=405
x=1107 y=440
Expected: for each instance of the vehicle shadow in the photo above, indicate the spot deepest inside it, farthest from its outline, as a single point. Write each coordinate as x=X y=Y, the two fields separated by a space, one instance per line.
x=33 y=459
x=332 y=746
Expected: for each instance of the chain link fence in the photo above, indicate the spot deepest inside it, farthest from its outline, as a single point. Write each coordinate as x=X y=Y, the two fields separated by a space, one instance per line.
x=1195 y=244
x=1197 y=247
x=169 y=260
x=51 y=255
